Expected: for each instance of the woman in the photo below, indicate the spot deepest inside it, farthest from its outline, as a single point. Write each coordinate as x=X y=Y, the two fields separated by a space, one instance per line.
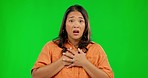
x=73 y=54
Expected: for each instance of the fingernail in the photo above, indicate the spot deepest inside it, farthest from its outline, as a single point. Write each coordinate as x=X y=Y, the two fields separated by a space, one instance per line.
x=63 y=59
x=70 y=48
x=63 y=53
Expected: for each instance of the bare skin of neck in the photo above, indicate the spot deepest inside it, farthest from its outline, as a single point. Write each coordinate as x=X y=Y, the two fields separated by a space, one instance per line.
x=74 y=42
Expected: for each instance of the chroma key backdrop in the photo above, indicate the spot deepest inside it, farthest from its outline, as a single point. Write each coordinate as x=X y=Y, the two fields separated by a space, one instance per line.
x=119 y=26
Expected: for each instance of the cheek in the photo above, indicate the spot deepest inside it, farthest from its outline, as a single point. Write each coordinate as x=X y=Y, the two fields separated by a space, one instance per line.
x=68 y=28
x=83 y=28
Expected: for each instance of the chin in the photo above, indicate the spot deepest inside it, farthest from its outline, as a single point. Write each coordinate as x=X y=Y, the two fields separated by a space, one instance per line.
x=76 y=38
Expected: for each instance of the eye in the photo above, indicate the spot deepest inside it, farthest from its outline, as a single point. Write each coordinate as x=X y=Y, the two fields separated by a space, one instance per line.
x=81 y=21
x=71 y=20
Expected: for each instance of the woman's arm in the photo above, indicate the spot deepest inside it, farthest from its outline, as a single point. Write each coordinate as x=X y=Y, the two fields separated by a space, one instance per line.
x=49 y=70
x=93 y=71
x=81 y=60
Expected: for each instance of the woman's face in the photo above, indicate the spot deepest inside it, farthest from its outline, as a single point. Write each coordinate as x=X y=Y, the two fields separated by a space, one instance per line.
x=75 y=25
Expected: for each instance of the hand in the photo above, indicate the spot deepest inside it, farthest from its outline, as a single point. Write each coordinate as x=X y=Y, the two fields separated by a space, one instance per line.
x=77 y=59
x=67 y=58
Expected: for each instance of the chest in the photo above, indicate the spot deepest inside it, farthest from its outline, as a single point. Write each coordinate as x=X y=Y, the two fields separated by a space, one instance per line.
x=91 y=55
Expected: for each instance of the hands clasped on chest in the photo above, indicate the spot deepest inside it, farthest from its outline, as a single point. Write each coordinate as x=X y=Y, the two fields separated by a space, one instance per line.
x=74 y=58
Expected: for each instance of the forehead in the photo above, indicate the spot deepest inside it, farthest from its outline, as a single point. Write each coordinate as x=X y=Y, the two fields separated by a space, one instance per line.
x=74 y=14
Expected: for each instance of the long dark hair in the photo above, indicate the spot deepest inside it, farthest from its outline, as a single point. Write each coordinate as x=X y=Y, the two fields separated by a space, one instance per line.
x=62 y=38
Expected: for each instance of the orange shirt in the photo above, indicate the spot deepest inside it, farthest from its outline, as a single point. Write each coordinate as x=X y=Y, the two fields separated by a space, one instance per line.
x=95 y=54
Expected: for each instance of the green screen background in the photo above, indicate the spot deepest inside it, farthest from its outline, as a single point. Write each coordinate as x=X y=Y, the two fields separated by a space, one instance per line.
x=119 y=26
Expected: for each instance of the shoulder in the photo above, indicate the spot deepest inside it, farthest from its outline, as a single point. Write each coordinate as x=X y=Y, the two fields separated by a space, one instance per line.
x=50 y=44
x=96 y=49
x=94 y=45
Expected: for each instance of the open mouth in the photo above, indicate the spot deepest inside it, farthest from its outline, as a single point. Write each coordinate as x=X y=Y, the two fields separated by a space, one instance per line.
x=76 y=31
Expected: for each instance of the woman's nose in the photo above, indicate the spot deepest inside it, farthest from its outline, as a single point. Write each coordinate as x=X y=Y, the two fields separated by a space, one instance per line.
x=76 y=25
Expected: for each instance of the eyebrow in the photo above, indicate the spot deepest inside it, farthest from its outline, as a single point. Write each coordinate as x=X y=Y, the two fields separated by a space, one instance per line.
x=71 y=17
x=81 y=17
x=78 y=17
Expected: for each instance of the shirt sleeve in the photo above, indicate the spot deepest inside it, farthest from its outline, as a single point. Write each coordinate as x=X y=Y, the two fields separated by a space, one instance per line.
x=104 y=64
x=44 y=58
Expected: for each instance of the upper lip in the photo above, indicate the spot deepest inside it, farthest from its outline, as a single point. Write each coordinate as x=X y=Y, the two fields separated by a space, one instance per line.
x=75 y=31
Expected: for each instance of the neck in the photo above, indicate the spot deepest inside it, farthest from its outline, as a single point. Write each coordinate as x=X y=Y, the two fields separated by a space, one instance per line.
x=74 y=42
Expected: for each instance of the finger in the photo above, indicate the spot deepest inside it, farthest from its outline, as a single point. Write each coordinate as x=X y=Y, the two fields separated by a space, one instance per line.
x=71 y=51
x=68 y=55
x=68 y=60
x=81 y=52
x=71 y=65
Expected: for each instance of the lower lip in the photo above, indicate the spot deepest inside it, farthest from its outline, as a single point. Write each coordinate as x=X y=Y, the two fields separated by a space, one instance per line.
x=75 y=34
